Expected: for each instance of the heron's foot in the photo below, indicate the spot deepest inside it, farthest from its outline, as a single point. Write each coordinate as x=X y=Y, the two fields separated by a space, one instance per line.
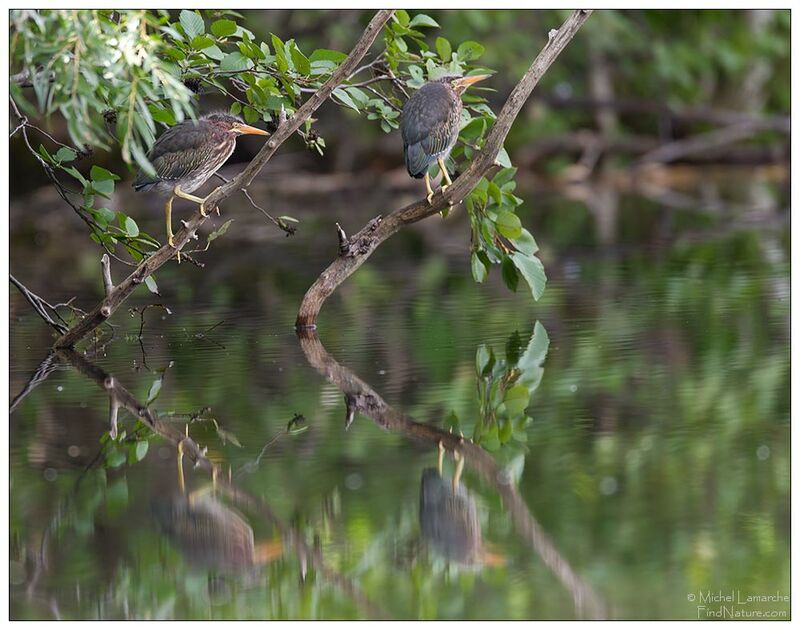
x=430 y=198
x=203 y=212
x=441 y=457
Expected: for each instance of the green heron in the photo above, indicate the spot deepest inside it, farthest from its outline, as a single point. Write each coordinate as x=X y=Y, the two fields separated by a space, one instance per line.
x=449 y=519
x=430 y=123
x=186 y=155
x=212 y=534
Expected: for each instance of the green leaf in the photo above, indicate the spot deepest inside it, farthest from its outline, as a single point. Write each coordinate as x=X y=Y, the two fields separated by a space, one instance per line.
x=65 y=155
x=530 y=363
x=235 y=62
x=324 y=54
x=131 y=229
x=220 y=231
x=155 y=390
x=162 y=115
x=402 y=17
x=104 y=215
x=517 y=399
x=504 y=176
x=141 y=449
x=484 y=360
x=469 y=50
x=142 y=160
x=192 y=24
x=104 y=187
x=213 y=52
x=98 y=173
x=301 y=62
x=236 y=108
x=508 y=224
x=223 y=28
x=115 y=459
x=509 y=273
x=526 y=243
x=344 y=97
x=150 y=283
x=202 y=41
x=479 y=270
x=503 y=159
x=532 y=270
x=423 y=20
x=76 y=174
x=444 y=49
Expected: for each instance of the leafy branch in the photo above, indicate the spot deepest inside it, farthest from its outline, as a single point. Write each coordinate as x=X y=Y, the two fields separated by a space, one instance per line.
x=354 y=251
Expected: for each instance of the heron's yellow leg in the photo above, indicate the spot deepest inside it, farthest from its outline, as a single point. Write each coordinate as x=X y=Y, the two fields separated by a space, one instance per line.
x=181 y=481
x=445 y=174
x=199 y=200
x=459 y=468
x=168 y=218
x=441 y=457
x=428 y=187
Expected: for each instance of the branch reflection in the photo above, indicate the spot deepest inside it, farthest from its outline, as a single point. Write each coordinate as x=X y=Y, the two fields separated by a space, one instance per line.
x=448 y=519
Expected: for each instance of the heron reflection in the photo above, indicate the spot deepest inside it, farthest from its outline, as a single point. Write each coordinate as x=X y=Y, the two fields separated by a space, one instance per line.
x=449 y=519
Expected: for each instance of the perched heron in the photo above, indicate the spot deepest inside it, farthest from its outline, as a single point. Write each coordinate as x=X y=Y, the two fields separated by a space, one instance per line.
x=429 y=125
x=186 y=155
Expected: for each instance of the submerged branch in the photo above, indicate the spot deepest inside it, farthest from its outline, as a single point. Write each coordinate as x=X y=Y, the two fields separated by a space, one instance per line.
x=152 y=263
x=361 y=245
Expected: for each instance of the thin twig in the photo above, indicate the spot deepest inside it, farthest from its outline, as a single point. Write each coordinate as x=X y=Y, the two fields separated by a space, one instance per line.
x=289 y=229
x=41 y=306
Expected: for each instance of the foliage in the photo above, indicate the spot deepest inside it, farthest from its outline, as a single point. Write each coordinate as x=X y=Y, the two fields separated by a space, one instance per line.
x=160 y=65
x=505 y=387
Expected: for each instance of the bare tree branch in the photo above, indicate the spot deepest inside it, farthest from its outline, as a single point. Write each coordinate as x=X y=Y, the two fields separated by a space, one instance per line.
x=362 y=244
x=109 y=305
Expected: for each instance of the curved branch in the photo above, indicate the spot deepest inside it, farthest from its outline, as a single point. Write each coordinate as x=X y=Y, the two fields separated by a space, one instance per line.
x=362 y=398
x=362 y=244
x=151 y=264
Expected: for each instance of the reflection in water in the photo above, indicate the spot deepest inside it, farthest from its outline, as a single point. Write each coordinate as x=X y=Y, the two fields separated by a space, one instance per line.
x=212 y=535
x=362 y=398
x=448 y=519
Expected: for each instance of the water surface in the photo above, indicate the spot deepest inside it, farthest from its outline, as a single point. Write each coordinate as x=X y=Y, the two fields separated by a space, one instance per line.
x=655 y=462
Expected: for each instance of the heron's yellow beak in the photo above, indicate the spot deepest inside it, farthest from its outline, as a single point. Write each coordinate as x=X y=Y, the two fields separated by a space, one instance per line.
x=465 y=82
x=247 y=129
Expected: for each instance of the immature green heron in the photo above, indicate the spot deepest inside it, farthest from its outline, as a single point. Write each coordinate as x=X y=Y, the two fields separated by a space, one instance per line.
x=449 y=520
x=429 y=125
x=186 y=155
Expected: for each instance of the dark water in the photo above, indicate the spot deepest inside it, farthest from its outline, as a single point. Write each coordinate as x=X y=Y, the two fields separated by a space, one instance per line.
x=654 y=466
